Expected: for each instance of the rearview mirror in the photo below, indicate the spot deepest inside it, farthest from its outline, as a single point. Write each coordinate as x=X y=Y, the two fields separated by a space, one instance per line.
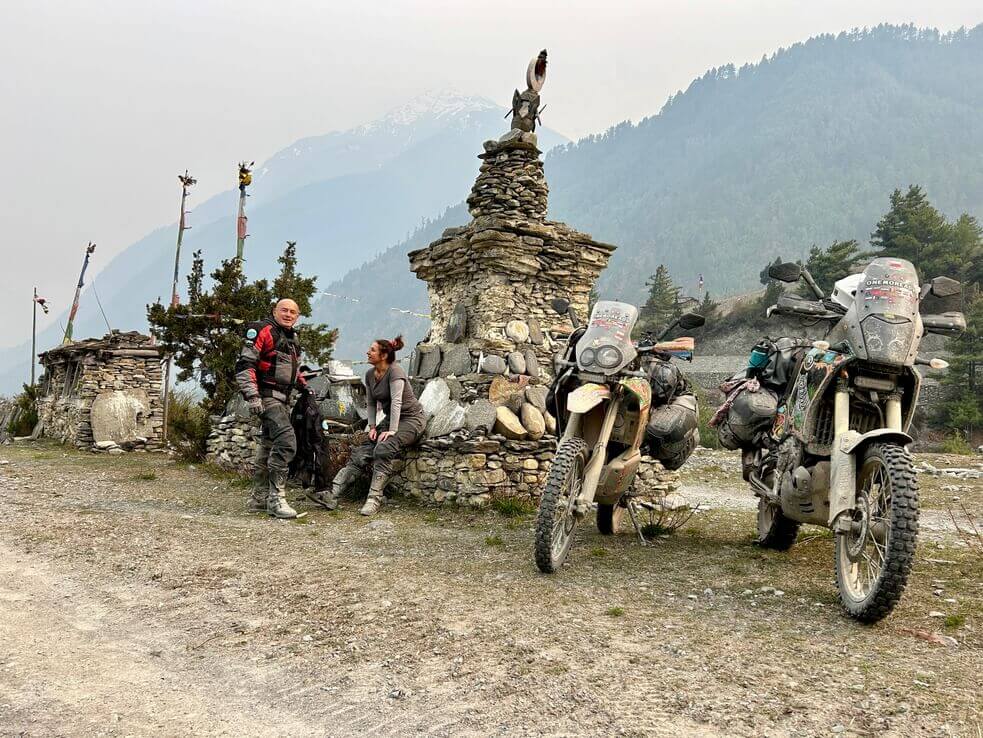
x=787 y=272
x=946 y=287
x=691 y=320
x=560 y=305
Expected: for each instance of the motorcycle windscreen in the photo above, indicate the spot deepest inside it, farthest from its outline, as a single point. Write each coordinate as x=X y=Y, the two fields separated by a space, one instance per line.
x=606 y=345
x=887 y=307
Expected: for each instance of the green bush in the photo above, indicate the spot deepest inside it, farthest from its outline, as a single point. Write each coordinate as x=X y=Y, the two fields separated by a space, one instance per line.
x=956 y=444
x=708 y=435
x=25 y=415
x=187 y=425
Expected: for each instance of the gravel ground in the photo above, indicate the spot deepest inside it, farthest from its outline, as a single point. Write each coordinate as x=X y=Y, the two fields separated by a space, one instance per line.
x=137 y=598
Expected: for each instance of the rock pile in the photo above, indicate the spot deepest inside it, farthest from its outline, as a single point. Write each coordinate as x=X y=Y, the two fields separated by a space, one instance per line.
x=510 y=181
x=232 y=442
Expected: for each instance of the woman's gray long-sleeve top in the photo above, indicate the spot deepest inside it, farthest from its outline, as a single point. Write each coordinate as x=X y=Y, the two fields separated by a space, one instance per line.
x=392 y=394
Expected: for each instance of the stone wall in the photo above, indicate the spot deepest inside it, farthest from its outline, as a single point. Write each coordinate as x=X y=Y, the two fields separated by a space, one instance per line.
x=104 y=394
x=447 y=470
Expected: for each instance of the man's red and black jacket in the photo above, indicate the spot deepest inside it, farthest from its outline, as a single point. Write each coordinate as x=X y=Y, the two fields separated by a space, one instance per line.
x=267 y=365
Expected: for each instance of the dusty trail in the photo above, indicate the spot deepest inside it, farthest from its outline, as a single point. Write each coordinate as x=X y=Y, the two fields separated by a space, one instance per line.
x=136 y=606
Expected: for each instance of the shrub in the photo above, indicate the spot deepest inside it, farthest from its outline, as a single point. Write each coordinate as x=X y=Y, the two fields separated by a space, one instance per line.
x=956 y=444
x=187 y=425
x=708 y=435
x=25 y=415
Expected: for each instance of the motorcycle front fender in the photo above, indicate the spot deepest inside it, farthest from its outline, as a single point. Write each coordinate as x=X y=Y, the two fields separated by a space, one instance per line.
x=587 y=396
x=843 y=467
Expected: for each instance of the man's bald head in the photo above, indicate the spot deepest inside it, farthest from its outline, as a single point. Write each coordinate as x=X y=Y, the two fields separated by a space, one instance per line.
x=286 y=312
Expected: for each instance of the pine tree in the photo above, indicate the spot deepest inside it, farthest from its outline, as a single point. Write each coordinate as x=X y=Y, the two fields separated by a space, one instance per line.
x=962 y=407
x=773 y=288
x=838 y=260
x=662 y=304
x=205 y=335
x=708 y=308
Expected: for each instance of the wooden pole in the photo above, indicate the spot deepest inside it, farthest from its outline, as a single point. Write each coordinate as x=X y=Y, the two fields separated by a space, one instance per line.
x=34 y=336
x=78 y=294
x=186 y=181
x=245 y=179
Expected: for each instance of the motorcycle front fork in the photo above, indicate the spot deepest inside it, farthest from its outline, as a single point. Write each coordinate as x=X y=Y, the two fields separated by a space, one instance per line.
x=843 y=475
x=595 y=464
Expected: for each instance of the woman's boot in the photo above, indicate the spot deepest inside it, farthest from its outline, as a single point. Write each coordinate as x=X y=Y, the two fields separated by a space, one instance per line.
x=329 y=498
x=374 y=500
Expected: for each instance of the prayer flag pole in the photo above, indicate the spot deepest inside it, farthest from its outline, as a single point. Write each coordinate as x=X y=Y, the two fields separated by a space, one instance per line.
x=78 y=294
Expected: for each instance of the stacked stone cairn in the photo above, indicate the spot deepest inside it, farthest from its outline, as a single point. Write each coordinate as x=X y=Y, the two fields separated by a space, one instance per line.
x=482 y=373
x=104 y=394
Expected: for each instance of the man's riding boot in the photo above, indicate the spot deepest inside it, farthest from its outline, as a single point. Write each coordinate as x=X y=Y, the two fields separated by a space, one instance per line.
x=329 y=498
x=374 y=500
x=257 y=498
x=276 y=502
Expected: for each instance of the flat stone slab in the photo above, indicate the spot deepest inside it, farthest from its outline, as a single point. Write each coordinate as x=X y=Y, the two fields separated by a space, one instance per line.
x=121 y=415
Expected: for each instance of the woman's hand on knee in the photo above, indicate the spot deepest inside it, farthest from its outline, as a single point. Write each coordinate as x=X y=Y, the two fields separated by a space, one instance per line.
x=384 y=435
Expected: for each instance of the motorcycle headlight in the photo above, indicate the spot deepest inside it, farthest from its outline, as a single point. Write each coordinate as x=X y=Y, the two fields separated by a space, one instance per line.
x=587 y=357
x=608 y=357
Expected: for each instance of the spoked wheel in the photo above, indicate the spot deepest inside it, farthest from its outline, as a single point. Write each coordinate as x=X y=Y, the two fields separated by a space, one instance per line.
x=874 y=558
x=556 y=521
x=775 y=531
x=609 y=517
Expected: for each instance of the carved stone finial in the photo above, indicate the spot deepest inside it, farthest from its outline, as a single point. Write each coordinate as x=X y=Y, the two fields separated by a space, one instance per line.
x=525 y=105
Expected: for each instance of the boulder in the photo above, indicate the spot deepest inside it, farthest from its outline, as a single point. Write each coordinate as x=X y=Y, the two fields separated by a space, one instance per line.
x=532 y=362
x=434 y=396
x=536 y=333
x=456 y=361
x=428 y=362
x=449 y=418
x=517 y=362
x=507 y=392
x=536 y=396
x=457 y=324
x=480 y=417
x=492 y=364
x=533 y=421
x=550 y=424
x=517 y=331
x=508 y=424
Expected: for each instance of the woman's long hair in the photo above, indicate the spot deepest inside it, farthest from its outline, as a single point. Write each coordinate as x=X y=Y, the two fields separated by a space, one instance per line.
x=389 y=348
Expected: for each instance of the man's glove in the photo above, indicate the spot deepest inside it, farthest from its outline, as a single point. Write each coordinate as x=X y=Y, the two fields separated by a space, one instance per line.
x=255 y=406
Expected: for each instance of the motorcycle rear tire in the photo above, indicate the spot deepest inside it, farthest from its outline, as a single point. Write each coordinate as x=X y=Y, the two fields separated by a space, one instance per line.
x=874 y=599
x=775 y=531
x=555 y=521
x=609 y=518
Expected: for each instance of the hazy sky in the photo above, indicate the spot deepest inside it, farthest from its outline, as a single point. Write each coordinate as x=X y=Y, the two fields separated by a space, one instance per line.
x=105 y=102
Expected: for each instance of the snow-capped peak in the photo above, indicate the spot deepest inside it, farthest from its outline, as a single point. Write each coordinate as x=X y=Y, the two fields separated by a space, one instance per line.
x=431 y=104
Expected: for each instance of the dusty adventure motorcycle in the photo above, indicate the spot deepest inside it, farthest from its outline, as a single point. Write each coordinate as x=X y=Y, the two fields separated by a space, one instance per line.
x=822 y=425
x=602 y=398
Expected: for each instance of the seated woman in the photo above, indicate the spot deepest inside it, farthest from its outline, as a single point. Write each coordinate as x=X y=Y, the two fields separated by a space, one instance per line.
x=388 y=391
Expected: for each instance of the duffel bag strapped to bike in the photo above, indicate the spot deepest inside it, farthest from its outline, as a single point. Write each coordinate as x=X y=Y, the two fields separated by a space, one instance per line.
x=664 y=379
x=671 y=433
x=751 y=412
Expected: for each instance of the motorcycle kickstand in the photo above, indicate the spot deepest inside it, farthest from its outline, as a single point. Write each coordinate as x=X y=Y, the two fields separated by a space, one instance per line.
x=634 y=521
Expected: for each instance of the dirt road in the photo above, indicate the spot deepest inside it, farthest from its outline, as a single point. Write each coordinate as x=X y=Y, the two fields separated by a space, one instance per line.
x=137 y=598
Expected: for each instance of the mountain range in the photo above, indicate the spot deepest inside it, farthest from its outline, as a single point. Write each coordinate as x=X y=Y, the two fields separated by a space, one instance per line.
x=801 y=148
x=344 y=197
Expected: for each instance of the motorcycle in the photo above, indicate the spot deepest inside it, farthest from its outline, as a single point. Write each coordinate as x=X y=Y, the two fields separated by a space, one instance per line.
x=834 y=450
x=602 y=398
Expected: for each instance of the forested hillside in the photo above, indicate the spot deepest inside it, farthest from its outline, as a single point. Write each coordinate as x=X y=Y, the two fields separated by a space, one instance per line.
x=748 y=164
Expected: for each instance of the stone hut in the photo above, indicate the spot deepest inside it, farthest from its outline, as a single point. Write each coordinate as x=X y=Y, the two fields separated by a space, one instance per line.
x=104 y=394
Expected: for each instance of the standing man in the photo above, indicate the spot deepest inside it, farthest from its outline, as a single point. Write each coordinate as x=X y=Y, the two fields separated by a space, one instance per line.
x=266 y=372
